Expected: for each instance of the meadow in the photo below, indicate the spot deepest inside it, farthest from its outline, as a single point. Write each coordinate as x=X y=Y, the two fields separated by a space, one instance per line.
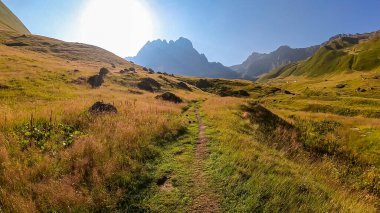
x=294 y=144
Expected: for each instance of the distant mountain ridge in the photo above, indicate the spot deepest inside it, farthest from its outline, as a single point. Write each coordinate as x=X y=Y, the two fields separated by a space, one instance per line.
x=343 y=52
x=258 y=64
x=180 y=57
x=10 y=22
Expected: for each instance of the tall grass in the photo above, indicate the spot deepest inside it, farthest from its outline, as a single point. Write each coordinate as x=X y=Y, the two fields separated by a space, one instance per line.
x=103 y=170
x=253 y=175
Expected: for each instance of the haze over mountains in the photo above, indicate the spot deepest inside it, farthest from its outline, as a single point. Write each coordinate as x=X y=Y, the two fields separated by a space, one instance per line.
x=84 y=130
x=261 y=63
x=180 y=57
x=341 y=53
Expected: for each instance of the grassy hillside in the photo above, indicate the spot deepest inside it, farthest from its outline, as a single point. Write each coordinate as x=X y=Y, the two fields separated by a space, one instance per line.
x=9 y=22
x=346 y=53
x=209 y=152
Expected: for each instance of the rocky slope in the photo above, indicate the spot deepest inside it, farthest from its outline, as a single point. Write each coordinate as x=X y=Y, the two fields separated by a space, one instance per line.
x=180 y=57
x=258 y=63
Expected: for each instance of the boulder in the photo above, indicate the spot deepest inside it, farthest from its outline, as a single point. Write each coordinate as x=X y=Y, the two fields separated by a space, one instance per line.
x=242 y=93
x=95 y=81
x=361 y=90
x=183 y=85
x=103 y=71
x=274 y=89
x=100 y=107
x=288 y=92
x=2 y=86
x=203 y=84
x=340 y=86
x=168 y=96
x=149 y=84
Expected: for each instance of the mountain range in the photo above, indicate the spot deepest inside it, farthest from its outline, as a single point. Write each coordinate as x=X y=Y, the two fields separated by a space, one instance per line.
x=258 y=64
x=180 y=57
x=344 y=52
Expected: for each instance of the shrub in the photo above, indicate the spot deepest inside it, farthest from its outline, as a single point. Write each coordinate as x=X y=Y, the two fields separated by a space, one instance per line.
x=95 y=81
x=103 y=71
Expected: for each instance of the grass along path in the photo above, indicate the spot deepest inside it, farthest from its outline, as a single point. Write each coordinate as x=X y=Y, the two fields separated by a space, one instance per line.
x=181 y=182
x=205 y=198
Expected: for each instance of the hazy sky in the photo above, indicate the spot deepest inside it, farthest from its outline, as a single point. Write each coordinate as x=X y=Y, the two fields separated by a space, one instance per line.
x=225 y=30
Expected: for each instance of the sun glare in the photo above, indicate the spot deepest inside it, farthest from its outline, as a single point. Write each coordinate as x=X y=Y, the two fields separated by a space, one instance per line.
x=121 y=26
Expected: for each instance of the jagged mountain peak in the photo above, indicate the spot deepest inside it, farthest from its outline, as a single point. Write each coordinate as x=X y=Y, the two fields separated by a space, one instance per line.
x=180 y=57
x=260 y=63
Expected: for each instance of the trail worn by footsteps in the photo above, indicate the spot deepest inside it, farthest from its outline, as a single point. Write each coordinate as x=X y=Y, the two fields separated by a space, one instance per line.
x=205 y=199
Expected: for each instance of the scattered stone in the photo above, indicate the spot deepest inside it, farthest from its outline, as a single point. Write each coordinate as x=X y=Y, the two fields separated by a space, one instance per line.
x=161 y=181
x=132 y=69
x=274 y=90
x=183 y=85
x=78 y=81
x=257 y=88
x=340 y=86
x=361 y=90
x=168 y=96
x=95 y=81
x=103 y=71
x=135 y=92
x=203 y=84
x=2 y=86
x=149 y=84
x=100 y=107
x=76 y=70
x=242 y=93
x=288 y=92
x=16 y=44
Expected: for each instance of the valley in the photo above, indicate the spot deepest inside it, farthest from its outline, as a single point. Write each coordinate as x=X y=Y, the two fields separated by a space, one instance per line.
x=84 y=130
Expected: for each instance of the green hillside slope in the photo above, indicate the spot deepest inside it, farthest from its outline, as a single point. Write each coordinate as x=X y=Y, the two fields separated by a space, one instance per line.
x=9 y=22
x=341 y=53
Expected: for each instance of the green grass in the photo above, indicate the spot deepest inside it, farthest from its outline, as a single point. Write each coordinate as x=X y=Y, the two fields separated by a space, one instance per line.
x=253 y=176
x=333 y=58
x=176 y=159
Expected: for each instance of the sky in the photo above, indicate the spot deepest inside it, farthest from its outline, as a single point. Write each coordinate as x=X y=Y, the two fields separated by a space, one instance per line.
x=226 y=31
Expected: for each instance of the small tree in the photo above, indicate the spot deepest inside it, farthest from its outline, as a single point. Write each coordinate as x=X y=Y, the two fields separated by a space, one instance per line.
x=132 y=69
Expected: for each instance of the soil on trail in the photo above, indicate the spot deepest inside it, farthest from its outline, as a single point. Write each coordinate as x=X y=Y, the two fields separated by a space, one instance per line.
x=205 y=198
